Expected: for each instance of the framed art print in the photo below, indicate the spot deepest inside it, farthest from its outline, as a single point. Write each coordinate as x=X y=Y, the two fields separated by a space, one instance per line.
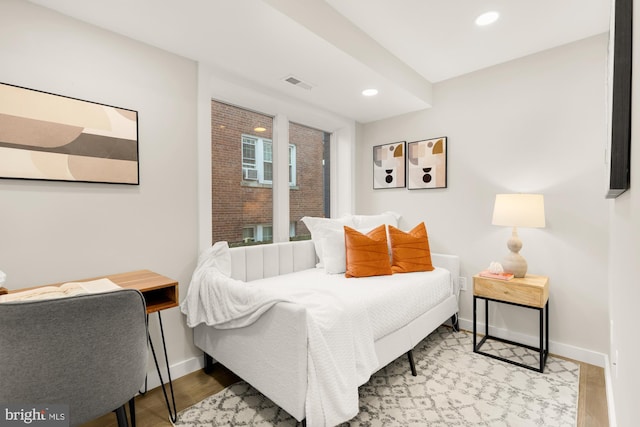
x=619 y=98
x=52 y=137
x=389 y=165
x=427 y=163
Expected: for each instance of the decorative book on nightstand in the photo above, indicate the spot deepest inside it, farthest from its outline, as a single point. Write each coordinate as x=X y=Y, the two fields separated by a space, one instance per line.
x=531 y=292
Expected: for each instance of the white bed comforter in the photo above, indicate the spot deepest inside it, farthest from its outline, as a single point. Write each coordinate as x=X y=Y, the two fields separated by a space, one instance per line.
x=341 y=354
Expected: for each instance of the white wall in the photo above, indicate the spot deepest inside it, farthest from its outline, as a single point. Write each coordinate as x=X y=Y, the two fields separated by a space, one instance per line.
x=625 y=271
x=58 y=231
x=536 y=124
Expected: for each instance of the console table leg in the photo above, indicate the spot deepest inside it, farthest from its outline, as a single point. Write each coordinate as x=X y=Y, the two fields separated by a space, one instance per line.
x=541 y=339
x=475 y=300
x=173 y=415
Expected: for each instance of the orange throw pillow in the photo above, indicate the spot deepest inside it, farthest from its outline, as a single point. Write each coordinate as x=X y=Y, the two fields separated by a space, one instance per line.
x=410 y=251
x=367 y=254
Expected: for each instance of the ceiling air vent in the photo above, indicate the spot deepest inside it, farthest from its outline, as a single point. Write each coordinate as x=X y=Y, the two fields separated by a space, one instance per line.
x=297 y=82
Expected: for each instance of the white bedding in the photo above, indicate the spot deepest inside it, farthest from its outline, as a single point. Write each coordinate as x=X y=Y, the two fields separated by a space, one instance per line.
x=381 y=295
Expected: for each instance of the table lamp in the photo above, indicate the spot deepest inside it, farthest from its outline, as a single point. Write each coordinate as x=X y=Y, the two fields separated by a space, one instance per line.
x=517 y=210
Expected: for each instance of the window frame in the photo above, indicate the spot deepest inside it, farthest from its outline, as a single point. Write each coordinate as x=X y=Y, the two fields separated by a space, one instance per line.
x=259 y=159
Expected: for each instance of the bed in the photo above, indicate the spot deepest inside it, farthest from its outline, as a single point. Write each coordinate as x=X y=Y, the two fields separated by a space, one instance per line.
x=273 y=351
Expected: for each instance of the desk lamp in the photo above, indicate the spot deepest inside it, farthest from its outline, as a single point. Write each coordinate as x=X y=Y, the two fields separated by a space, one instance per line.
x=517 y=210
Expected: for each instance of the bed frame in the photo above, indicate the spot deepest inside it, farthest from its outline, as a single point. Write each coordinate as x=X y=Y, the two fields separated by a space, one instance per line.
x=281 y=374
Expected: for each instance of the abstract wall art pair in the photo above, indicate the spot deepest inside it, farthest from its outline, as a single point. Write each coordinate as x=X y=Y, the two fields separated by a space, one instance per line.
x=415 y=165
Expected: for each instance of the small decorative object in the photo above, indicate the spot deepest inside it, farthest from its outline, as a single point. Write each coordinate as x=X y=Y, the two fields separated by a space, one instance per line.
x=518 y=210
x=3 y=278
x=495 y=267
x=52 y=137
x=427 y=163
x=389 y=165
x=495 y=271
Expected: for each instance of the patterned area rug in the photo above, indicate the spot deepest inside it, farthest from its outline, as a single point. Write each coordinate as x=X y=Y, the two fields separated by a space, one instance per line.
x=454 y=387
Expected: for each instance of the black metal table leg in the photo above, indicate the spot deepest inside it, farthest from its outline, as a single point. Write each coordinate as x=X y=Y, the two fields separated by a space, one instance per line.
x=542 y=349
x=475 y=299
x=546 y=311
x=173 y=415
x=541 y=314
x=486 y=317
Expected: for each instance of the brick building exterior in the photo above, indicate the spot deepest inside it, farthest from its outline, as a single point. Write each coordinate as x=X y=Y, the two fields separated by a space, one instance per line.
x=241 y=202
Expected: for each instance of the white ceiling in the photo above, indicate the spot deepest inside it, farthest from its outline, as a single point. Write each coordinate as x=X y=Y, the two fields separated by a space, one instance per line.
x=341 y=47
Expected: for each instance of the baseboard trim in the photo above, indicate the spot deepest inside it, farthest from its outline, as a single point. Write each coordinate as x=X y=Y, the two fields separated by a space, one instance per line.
x=178 y=370
x=564 y=350
x=609 y=390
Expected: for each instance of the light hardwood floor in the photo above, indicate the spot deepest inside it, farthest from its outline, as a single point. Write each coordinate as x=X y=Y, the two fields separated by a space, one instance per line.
x=151 y=410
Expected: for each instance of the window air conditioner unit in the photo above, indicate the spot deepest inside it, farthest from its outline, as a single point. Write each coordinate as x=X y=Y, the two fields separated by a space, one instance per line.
x=250 y=174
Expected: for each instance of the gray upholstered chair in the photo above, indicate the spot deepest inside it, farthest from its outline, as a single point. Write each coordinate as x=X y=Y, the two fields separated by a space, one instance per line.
x=87 y=351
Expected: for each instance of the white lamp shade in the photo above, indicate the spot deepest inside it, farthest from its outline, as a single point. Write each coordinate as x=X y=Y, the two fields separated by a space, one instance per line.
x=519 y=210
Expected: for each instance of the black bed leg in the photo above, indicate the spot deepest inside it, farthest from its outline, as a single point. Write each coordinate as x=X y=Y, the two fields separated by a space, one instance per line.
x=412 y=363
x=208 y=364
x=454 y=323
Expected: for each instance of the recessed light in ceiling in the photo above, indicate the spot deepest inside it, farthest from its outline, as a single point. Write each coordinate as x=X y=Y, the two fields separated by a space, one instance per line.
x=487 y=18
x=370 y=92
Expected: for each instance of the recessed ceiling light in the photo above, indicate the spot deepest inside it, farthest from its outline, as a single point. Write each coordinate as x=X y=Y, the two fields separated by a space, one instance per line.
x=370 y=92
x=259 y=129
x=487 y=18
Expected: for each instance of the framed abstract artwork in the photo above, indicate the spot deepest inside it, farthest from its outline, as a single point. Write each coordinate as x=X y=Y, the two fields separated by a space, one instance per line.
x=619 y=98
x=52 y=137
x=427 y=163
x=389 y=165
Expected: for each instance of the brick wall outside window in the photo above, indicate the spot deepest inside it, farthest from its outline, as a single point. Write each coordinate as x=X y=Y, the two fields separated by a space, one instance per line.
x=236 y=202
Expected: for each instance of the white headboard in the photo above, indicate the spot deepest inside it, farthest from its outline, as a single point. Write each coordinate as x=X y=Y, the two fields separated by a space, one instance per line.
x=260 y=261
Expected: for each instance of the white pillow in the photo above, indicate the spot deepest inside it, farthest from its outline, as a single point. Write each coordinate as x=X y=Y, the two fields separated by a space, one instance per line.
x=321 y=227
x=335 y=251
x=372 y=221
x=335 y=255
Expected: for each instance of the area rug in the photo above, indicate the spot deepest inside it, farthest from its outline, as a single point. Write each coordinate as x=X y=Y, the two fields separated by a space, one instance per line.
x=454 y=387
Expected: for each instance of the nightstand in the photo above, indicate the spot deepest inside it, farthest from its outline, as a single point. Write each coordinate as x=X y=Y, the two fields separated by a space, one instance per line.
x=530 y=292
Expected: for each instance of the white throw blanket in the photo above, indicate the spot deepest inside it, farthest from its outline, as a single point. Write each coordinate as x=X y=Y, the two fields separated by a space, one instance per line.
x=341 y=354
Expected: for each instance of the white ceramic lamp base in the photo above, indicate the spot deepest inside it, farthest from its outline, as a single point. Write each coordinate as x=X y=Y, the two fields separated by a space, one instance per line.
x=514 y=262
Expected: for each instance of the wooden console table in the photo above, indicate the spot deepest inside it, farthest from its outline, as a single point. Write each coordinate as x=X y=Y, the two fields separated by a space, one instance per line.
x=160 y=293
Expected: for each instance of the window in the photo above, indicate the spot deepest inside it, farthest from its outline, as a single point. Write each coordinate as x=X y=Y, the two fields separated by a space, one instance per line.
x=267 y=161
x=257 y=160
x=309 y=170
x=292 y=164
x=248 y=235
x=242 y=175
x=241 y=146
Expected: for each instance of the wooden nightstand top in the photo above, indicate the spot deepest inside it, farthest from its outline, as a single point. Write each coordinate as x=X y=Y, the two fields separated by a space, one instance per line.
x=531 y=290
